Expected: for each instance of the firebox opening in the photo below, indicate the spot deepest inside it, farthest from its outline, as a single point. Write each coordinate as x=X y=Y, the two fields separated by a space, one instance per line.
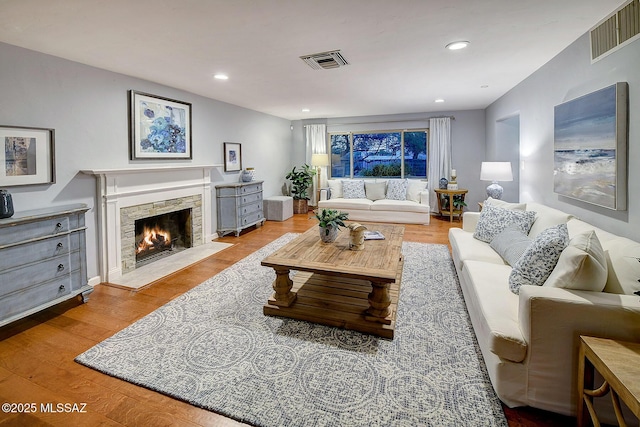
x=162 y=235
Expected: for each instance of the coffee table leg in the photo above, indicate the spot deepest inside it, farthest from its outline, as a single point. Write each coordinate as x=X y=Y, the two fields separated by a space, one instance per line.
x=283 y=297
x=379 y=300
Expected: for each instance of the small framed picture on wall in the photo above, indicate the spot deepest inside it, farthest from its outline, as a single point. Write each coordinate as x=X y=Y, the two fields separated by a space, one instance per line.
x=27 y=156
x=232 y=157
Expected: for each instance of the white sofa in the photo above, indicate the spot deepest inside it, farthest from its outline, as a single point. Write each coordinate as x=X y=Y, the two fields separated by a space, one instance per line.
x=375 y=200
x=530 y=341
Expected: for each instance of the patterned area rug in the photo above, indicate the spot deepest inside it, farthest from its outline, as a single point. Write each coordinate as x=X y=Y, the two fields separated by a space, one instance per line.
x=213 y=347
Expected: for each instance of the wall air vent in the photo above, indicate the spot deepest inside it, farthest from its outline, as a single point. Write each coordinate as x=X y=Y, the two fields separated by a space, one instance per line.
x=325 y=60
x=616 y=30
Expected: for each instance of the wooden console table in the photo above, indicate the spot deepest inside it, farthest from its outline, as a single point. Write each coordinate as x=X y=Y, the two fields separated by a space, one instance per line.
x=619 y=364
x=447 y=208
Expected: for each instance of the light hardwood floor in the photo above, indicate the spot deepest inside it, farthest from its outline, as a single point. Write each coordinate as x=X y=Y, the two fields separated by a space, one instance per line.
x=36 y=353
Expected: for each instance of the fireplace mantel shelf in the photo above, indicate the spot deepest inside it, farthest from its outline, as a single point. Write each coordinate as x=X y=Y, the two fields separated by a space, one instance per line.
x=146 y=169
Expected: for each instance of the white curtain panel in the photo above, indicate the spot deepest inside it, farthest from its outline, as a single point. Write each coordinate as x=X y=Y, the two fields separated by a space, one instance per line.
x=439 y=156
x=316 y=144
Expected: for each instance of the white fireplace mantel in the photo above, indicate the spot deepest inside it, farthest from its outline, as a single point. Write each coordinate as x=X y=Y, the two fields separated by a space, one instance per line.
x=120 y=188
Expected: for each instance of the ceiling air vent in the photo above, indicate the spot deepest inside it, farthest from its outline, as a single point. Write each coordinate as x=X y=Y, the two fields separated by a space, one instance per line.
x=615 y=30
x=326 y=60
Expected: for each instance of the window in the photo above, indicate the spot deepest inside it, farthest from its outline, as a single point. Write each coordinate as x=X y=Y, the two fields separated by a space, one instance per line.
x=389 y=154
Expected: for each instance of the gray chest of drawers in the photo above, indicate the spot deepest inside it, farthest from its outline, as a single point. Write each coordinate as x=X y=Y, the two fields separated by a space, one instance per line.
x=239 y=205
x=43 y=260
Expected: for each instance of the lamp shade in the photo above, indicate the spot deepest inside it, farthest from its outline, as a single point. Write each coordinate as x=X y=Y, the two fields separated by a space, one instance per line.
x=320 y=160
x=496 y=171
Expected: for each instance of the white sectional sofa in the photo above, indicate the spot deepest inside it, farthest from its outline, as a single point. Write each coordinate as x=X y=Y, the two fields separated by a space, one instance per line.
x=530 y=340
x=379 y=200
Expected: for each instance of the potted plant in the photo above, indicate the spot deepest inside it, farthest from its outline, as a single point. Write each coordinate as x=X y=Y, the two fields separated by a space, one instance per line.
x=300 y=181
x=330 y=221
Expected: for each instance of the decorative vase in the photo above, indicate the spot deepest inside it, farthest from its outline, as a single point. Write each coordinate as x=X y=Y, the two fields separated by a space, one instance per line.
x=6 y=204
x=328 y=234
x=247 y=175
x=443 y=183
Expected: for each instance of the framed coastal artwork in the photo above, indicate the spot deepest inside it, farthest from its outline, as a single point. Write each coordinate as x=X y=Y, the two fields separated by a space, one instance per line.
x=232 y=157
x=159 y=128
x=590 y=147
x=27 y=156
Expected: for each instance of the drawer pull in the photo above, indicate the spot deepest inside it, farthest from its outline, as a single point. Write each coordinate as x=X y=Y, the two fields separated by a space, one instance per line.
x=59 y=245
x=61 y=288
x=58 y=226
x=60 y=267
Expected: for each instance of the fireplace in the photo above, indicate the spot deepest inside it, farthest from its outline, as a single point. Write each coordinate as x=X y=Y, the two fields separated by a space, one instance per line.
x=159 y=236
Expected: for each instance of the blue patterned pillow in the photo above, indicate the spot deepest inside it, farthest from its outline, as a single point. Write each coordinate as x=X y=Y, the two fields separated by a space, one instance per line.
x=494 y=220
x=397 y=189
x=353 y=189
x=540 y=258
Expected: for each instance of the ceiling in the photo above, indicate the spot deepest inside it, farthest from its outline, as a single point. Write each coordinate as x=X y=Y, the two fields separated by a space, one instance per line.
x=398 y=63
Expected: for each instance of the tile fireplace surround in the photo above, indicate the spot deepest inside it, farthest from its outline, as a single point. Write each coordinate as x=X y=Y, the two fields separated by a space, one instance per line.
x=122 y=190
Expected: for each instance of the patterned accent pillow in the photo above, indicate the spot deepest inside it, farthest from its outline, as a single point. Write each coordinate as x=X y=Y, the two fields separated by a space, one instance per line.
x=539 y=260
x=397 y=189
x=353 y=189
x=494 y=219
x=511 y=243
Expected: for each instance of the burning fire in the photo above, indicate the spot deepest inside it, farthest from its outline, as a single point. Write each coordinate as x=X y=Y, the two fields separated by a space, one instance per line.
x=152 y=239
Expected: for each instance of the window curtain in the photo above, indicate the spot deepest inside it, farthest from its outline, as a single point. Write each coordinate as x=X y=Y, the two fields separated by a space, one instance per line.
x=316 y=144
x=439 y=156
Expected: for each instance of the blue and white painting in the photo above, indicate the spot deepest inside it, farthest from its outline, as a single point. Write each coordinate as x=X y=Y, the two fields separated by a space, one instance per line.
x=588 y=155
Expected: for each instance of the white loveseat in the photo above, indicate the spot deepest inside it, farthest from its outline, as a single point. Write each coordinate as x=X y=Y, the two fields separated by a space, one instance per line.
x=379 y=200
x=530 y=340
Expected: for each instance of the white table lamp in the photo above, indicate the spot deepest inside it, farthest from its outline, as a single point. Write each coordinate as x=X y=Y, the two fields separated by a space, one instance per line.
x=494 y=172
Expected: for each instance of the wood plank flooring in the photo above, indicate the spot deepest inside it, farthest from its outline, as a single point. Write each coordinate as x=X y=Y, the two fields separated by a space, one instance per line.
x=36 y=353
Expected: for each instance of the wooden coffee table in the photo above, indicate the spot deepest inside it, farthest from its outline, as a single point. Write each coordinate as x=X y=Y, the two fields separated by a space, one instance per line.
x=336 y=286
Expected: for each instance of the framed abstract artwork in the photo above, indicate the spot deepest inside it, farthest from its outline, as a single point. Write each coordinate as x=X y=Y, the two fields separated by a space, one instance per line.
x=159 y=128
x=590 y=147
x=27 y=156
x=232 y=157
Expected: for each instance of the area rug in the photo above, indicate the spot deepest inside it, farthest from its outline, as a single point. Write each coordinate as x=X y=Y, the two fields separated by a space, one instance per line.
x=213 y=347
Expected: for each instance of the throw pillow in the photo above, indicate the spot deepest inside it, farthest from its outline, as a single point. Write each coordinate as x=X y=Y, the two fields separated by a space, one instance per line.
x=511 y=243
x=582 y=265
x=493 y=220
x=414 y=188
x=540 y=258
x=502 y=204
x=335 y=188
x=353 y=189
x=623 y=260
x=375 y=190
x=397 y=189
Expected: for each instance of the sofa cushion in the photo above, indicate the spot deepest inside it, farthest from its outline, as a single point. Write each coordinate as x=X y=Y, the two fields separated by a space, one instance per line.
x=335 y=188
x=493 y=220
x=546 y=217
x=353 y=189
x=623 y=262
x=582 y=265
x=397 y=189
x=414 y=188
x=342 y=203
x=540 y=258
x=398 y=205
x=375 y=190
x=511 y=243
x=464 y=248
x=506 y=205
x=495 y=309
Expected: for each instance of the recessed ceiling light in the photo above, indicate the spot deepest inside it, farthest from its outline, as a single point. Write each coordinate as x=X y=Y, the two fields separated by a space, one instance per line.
x=221 y=76
x=457 y=45
x=439 y=100
x=484 y=86
x=305 y=110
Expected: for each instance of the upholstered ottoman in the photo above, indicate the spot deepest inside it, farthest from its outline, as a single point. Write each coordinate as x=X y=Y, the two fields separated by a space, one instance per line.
x=278 y=208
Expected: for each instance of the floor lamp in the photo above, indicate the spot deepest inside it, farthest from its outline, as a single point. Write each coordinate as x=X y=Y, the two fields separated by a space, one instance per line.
x=319 y=160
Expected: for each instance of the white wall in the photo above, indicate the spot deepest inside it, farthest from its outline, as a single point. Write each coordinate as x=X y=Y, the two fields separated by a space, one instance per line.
x=467 y=140
x=567 y=76
x=87 y=107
